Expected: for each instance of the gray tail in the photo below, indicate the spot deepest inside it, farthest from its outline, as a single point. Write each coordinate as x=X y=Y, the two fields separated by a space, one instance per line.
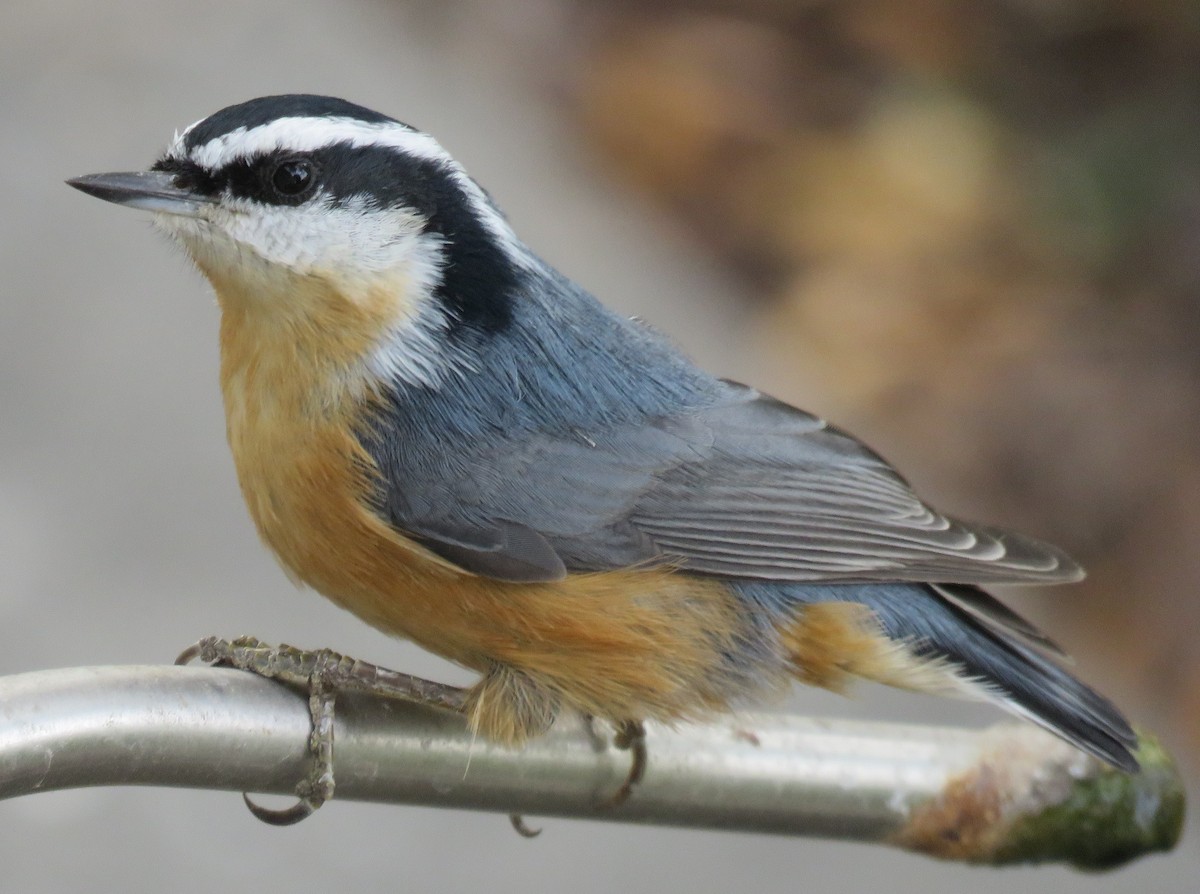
x=1006 y=655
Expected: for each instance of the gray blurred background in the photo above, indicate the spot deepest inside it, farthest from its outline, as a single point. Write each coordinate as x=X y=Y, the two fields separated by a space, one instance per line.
x=972 y=238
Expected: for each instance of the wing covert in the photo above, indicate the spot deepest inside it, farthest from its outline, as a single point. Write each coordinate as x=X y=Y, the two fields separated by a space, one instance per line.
x=748 y=487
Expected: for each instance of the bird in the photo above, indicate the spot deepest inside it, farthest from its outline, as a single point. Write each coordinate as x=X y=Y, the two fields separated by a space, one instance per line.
x=446 y=436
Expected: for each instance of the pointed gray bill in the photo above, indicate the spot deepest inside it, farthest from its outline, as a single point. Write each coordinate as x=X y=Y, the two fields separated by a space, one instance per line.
x=149 y=190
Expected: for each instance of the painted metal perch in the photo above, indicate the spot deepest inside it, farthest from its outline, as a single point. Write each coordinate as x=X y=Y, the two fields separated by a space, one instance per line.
x=1007 y=794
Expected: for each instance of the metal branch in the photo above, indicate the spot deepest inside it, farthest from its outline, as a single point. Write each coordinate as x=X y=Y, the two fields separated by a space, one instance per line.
x=1007 y=794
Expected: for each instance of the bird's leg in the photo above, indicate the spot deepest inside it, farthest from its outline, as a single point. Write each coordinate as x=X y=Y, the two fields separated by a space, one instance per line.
x=631 y=737
x=323 y=673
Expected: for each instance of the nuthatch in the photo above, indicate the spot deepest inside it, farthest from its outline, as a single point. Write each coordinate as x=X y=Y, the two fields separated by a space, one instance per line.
x=446 y=436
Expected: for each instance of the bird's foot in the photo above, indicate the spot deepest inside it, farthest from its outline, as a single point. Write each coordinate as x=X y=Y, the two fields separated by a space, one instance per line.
x=630 y=736
x=323 y=673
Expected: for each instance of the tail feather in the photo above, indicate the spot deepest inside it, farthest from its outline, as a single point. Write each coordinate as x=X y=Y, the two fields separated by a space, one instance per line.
x=998 y=617
x=1005 y=662
x=1035 y=686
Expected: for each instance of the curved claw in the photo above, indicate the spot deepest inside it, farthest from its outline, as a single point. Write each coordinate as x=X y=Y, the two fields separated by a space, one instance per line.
x=288 y=816
x=521 y=827
x=190 y=654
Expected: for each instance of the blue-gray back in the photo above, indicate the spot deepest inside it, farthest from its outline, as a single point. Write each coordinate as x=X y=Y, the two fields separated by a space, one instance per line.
x=579 y=440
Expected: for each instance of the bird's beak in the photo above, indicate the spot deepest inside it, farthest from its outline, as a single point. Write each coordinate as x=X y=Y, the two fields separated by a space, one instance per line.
x=149 y=190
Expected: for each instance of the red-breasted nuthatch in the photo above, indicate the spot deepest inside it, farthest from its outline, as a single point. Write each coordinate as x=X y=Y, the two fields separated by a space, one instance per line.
x=446 y=436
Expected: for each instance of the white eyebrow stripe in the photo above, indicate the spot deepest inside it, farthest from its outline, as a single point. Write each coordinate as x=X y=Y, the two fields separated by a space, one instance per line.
x=308 y=134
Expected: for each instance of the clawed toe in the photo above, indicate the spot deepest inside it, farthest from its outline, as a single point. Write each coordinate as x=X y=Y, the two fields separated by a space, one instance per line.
x=519 y=825
x=287 y=816
x=323 y=673
x=631 y=737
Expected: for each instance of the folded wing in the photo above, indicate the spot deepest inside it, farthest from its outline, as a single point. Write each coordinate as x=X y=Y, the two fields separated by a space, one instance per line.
x=748 y=487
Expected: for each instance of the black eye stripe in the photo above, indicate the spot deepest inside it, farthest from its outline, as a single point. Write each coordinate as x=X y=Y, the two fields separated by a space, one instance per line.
x=254 y=178
x=190 y=176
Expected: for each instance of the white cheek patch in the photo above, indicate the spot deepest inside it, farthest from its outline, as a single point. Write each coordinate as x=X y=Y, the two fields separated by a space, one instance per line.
x=350 y=240
x=360 y=251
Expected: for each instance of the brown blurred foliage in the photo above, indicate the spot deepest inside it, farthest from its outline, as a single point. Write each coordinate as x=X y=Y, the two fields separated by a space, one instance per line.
x=978 y=226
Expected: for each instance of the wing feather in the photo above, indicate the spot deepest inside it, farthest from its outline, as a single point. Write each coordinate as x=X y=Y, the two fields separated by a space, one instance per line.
x=748 y=487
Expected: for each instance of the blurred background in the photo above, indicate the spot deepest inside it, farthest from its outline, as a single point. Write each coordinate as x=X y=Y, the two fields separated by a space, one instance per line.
x=970 y=233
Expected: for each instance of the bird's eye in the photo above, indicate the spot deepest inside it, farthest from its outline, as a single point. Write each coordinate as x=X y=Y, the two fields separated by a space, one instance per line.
x=293 y=179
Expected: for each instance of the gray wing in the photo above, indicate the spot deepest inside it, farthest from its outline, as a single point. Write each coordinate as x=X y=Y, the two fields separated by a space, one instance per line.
x=749 y=488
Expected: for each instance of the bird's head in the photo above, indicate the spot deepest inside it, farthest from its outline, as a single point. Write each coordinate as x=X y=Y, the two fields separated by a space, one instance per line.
x=312 y=211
